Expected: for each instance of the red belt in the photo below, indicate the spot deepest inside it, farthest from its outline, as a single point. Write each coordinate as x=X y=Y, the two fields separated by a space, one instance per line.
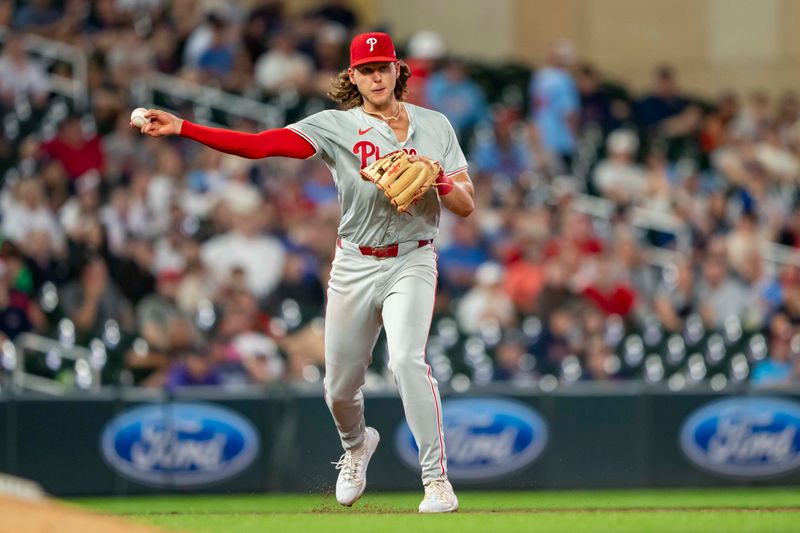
x=389 y=250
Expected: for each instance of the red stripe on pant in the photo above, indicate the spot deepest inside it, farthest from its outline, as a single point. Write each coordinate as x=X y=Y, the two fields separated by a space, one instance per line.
x=425 y=355
x=438 y=422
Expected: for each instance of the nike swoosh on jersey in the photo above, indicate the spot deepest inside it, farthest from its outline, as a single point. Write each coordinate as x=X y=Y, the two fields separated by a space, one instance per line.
x=362 y=132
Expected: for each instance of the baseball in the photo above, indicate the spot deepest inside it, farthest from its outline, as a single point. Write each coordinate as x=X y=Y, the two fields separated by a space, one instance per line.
x=138 y=117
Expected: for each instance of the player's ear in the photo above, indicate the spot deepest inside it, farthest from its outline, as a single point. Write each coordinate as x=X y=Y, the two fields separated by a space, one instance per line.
x=350 y=75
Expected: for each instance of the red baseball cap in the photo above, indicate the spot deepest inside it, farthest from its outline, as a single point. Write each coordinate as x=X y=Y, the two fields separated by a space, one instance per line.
x=371 y=48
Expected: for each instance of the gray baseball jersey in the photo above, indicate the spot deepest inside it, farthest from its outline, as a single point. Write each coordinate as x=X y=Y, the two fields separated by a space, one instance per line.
x=367 y=293
x=350 y=140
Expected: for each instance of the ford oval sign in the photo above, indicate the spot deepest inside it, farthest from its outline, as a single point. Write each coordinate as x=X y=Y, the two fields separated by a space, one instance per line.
x=744 y=437
x=484 y=438
x=179 y=444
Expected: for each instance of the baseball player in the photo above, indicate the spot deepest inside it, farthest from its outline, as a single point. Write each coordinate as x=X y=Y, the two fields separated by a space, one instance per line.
x=394 y=165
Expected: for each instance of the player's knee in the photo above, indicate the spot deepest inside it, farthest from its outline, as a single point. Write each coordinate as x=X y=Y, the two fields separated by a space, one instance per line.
x=341 y=396
x=407 y=364
x=335 y=399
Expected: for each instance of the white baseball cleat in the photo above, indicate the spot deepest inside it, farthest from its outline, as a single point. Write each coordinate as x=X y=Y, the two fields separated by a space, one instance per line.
x=352 y=467
x=439 y=498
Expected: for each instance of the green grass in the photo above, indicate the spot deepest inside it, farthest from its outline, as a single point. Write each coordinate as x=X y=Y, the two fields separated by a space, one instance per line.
x=644 y=511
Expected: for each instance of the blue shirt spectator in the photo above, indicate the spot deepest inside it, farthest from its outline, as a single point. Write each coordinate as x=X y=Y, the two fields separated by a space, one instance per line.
x=502 y=154
x=663 y=103
x=36 y=15
x=452 y=93
x=596 y=102
x=771 y=372
x=777 y=369
x=555 y=101
x=217 y=60
x=194 y=368
x=320 y=193
x=181 y=376
x=459 y=260
x=218 y=57
x=509 y=160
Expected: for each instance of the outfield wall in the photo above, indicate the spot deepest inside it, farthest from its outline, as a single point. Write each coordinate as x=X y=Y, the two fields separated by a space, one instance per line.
x=138 y=442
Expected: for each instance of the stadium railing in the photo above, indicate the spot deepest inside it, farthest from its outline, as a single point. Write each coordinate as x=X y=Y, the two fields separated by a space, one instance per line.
x=30 y=351
x=208 y=104
x=50 y=51
x=643 y=220
x=780 y=254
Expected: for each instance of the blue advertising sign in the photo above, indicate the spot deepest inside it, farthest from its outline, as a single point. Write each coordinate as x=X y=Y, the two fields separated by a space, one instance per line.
x=179 y=444
x=744 y=437
x=485 y=438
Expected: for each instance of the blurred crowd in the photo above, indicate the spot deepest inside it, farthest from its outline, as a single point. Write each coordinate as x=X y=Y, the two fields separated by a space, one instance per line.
x=214 y=267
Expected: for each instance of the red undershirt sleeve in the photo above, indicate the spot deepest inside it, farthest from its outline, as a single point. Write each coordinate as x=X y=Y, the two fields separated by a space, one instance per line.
x=282 y=142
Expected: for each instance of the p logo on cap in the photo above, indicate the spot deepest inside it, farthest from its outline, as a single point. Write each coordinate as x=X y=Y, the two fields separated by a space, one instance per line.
x=371 y=48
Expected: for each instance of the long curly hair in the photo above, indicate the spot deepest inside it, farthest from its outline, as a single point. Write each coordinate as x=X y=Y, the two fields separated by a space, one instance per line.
x=345 y=93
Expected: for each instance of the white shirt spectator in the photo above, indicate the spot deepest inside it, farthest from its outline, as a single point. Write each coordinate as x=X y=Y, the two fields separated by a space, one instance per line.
x=486 y=302
x=260 y=256
x=779 y=161
x=125 y=215
x=24 y=77
x=81 y=209
x=20 y=220
x=161 y=192
x=259 y=355
x=167 y=256
x=618 y=177
x=28 y=212
x=614 y=178
x=280 y=69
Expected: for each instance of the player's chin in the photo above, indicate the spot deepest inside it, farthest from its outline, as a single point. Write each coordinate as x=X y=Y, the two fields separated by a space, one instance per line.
x=380 y=96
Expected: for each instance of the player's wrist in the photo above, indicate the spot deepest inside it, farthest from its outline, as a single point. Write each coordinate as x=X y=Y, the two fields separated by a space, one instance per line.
x=444 y=185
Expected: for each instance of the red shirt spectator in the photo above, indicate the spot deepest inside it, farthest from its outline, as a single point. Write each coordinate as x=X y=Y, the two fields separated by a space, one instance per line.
x=75 y=153
x=615 y=300
x=576 y=231
x=608 y=291
x=586 y=247
x=523 y=283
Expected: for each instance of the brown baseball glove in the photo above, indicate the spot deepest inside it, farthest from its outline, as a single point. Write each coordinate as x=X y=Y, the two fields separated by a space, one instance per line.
x=403 y=178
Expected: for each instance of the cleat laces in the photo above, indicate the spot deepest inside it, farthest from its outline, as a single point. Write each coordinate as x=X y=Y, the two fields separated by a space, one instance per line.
x=438 y=489
x=350 y=465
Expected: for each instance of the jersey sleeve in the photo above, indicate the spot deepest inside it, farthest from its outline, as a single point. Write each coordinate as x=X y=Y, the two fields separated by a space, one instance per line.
x=319 y=129
x=453 y=160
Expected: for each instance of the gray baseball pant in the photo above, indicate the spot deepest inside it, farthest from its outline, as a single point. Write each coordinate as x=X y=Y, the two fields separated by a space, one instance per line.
x=365 y=293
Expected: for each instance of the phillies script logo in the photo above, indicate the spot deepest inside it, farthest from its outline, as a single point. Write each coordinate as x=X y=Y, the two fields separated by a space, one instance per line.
x=367 y=150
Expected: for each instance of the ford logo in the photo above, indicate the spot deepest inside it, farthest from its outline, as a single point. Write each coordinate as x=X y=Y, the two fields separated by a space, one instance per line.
x=484 y=438
x=744 y=437
x=179 y=444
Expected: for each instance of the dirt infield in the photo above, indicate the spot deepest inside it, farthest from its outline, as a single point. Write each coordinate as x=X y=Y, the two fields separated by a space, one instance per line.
x=48 y=516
